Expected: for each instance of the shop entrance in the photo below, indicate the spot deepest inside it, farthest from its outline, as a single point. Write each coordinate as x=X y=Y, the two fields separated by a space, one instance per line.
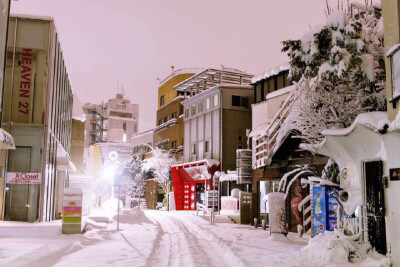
x=200 y=193
x=22 y=200
x=375 y=205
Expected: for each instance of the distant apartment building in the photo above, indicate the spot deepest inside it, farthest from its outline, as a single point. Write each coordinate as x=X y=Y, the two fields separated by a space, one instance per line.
x=37 y=111
x=168 y=133
x=113 y=121
x=216 y=115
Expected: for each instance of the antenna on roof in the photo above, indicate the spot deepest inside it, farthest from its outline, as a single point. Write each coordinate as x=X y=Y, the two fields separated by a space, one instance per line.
x=222 y=66
x=158 y=79
x=172 y=68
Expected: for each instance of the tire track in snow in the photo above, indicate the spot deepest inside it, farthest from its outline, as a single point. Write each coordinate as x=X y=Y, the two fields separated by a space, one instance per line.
x=173 y=244
x=188 y=243
x=231 y=258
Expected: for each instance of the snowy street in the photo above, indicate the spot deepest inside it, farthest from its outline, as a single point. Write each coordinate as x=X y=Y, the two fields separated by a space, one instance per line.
x=148 y=238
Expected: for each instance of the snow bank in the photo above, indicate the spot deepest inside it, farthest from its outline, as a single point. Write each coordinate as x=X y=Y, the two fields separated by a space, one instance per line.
x=132 y=216
x=336 y=248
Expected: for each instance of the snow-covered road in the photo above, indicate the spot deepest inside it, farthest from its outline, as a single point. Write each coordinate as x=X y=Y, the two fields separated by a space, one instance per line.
x=149 y=238
x=185 y=243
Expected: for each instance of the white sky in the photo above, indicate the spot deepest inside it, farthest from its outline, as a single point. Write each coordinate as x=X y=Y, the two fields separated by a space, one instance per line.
x=136 y=41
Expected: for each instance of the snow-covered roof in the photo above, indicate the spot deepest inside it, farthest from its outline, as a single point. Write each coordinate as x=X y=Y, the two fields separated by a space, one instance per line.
x=229 y=176
x=210 y=77
x=373 y=120
x=209 y=163
x=29 y=16
x=271 y=72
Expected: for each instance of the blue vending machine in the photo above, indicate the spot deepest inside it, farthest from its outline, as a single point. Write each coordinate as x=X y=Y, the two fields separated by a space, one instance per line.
x=325 y=207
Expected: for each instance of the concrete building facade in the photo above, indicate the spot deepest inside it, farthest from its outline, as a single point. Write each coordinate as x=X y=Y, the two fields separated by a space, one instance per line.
x=216 y=116
x=39 y=114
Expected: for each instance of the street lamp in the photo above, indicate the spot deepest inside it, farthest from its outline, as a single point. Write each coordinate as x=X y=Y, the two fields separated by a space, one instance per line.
x=112 y=166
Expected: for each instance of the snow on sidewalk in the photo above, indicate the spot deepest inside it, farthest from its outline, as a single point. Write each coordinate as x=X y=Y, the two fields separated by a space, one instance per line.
x=32 y=244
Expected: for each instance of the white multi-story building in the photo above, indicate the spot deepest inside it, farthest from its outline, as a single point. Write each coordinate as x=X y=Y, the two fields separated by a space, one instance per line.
x=113 y=121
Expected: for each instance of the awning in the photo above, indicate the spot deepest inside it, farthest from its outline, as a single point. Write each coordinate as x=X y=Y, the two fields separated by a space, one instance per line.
x=65 y=164
x=6 y=140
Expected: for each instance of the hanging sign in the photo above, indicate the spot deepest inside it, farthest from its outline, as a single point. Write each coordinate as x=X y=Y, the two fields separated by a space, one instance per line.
x=23 y=178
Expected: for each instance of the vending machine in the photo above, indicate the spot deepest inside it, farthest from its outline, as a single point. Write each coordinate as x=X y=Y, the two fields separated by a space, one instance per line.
x=325 y=209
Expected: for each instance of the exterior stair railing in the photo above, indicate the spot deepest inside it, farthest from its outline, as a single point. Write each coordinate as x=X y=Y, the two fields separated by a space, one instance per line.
x=265 y=145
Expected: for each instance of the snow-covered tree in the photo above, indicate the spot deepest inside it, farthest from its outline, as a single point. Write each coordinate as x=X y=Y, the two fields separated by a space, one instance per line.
x=159 y=165
x=338 y=70
x=134 y=180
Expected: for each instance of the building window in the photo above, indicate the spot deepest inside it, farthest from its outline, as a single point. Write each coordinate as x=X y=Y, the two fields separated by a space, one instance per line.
x=124 y=138
x=200 y=107
x=236 y=101
x=207 y=103
x=239 y=147
x=240 y=138
x=159 y=122
x=173 y=145
x=207 y=146
x=216 y=100
x=173 y=115
x=186 y=112
x=162 y=101
x=194 y=149
x=201 y=149
x=240 y=101
x=193 y=110
x=124 y=126
x=165 y=119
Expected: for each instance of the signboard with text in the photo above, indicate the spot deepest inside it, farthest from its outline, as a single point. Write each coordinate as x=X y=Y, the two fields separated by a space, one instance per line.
x=23 y=178
x=23 y=90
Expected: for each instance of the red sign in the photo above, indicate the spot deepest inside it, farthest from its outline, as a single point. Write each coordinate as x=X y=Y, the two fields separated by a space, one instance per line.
x=26 y=81
x=23 y=178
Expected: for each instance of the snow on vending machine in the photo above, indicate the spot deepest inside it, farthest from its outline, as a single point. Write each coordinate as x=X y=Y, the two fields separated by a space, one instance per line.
x=325 y=209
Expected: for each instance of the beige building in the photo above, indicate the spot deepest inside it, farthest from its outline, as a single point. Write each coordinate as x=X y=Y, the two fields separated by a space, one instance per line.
x=216 y=115
x=113 y=121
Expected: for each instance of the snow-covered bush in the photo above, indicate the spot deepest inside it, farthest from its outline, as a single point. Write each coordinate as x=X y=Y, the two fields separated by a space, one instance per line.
x=337 y=248
x=339 y=72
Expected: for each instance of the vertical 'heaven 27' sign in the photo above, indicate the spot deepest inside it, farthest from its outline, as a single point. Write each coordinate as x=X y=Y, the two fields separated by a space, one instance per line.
x=23 y=87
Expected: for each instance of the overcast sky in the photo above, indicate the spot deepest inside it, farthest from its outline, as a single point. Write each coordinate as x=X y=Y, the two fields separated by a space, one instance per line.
x=136 y=41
